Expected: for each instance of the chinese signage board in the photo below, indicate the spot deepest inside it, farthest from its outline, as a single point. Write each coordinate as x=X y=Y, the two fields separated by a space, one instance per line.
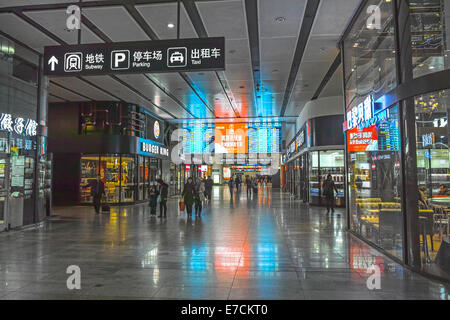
x=151 y=148
x=18 y=125
x=362 y=139
x=360 y=113
x=199 y=54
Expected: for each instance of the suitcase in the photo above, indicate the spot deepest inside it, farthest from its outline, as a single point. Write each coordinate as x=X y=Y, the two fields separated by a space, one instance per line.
x=181 y=205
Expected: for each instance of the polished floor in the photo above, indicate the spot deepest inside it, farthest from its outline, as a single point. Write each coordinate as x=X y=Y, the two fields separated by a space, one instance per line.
x=267 y=247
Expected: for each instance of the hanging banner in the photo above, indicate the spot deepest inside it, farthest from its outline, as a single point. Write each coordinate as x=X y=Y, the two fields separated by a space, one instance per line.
x=199 y=54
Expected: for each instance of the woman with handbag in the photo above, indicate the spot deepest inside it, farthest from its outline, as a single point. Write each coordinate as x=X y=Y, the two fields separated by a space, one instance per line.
x=188 y=196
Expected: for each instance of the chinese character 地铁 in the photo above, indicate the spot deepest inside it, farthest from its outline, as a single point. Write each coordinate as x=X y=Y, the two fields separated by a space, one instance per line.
x=90 y=58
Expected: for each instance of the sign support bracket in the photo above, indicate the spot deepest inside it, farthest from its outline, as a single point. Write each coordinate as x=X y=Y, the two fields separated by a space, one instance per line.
x=178 y=19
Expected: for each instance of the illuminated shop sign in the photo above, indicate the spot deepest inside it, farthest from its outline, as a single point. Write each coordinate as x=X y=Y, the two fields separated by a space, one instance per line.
x=362 y=139
x=361 y=113
x=301 y=139
x=148 y=147
x=22 y=126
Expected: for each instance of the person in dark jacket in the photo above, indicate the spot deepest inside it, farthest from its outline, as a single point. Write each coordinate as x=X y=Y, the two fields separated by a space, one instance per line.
x=328 y=191
x=208 y=188
x=163 y=194
x=231 y=186
x=188 y=195
x=153 y=195
x=248 y=182
x=97 y=191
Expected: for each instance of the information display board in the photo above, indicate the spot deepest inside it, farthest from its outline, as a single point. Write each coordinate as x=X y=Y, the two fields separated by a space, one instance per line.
x=264 y=137
x=231 y=138
x=198 y=54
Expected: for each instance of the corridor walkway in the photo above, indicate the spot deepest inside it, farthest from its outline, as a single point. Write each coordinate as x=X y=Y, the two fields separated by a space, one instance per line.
x=270 y=247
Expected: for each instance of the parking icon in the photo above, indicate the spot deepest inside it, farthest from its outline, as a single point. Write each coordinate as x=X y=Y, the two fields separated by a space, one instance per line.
x=73 y=62
x=177 y=57
x=120 y=60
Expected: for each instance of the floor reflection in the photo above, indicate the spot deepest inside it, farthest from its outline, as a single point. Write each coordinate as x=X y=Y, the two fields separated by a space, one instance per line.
x=265 y=246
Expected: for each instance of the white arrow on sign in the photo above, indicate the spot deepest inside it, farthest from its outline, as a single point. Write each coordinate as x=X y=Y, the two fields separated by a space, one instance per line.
x=53 y=61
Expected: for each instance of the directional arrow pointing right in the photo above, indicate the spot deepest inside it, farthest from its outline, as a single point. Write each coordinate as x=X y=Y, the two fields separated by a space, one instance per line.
x=53 y=61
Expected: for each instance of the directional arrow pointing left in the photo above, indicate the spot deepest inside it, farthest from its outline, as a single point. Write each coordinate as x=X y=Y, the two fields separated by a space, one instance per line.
x=53 y=61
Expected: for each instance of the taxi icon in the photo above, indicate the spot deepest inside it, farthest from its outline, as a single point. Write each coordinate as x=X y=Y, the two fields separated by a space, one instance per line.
x=176 y=57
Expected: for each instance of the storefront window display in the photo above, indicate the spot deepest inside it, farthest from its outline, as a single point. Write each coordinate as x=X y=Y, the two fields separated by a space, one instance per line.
x=374 y=182
x=433 y=177
x=128 y=175
x=89 y=173
x=398 y=157
x=321 y=164
x=109 y=174
x=122 y=175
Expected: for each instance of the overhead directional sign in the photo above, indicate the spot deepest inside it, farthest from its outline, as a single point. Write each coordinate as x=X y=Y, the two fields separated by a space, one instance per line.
x=199 y=54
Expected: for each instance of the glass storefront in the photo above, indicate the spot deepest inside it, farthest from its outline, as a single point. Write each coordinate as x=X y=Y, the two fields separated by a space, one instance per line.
x=127 y=178
x=397 y=137
x=433 y=176
x=22 y=191
x=374 y=183
x=369 y=59
x=323 y=163
x=430 y=35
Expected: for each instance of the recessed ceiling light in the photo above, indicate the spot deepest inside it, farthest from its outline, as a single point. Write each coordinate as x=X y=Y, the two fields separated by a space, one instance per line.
x=170 y=25
x=280 y=19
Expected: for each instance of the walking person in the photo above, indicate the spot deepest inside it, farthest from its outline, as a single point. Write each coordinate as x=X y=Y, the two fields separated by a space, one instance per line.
x=97 y=191
x=199 y=197
x=231 y=187
x=255 y=186
x=188 y=196
x=163 y=195
x=328 y=190
x=208 y=188
x=238 y=184
x=153 y=196
x=248 y=183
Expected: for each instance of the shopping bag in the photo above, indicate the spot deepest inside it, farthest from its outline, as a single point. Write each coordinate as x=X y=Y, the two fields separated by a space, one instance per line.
x=158 y=199
x=181 y=205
